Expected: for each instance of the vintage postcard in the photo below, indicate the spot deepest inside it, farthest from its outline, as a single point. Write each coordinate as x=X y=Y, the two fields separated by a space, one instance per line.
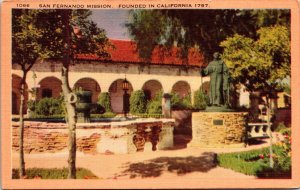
x=150 y=94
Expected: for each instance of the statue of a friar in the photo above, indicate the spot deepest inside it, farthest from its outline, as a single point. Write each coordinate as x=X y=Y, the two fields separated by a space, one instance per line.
x=219 y=86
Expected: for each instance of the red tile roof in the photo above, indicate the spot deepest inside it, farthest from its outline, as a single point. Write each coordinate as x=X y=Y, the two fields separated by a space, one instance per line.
x=125 y=51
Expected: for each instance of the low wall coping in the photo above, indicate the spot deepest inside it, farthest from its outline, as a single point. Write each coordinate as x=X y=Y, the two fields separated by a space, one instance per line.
x=101 y=125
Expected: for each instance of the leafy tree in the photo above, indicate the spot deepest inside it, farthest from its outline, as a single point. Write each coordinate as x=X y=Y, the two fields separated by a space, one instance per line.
x=63 y=35
x=76 y=34
x=202 y=28
x=259 y=64
x=27 y=48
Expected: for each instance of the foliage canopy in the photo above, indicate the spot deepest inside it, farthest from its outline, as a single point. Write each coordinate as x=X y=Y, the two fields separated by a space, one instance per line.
x=262 y=63
x=198 y=28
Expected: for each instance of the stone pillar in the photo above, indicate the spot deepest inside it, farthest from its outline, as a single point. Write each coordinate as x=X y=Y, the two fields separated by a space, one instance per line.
x=192 y=97
x=218 y=129
x=166 y=105
x=166 y=139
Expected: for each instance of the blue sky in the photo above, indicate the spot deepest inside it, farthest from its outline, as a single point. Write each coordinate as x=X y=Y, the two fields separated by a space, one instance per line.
x=113 y=21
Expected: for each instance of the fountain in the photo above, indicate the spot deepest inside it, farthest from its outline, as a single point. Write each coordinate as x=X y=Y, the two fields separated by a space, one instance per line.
x=114 y=135
x=84 y=105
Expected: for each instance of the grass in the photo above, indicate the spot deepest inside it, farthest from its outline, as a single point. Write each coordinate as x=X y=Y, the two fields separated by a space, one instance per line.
x=241 y=161
x=250 y=163
x=54 y=173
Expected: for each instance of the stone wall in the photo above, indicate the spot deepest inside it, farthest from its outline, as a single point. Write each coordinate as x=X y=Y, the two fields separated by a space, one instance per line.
x=41 y=140
x=92 y=138
x=218 y=129
x=38 y=141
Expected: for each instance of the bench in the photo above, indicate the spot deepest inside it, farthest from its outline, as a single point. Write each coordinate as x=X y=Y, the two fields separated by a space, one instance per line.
x=258 y=130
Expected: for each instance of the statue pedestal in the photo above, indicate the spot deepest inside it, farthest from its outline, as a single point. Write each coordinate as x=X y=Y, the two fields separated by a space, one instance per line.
x=218 y=129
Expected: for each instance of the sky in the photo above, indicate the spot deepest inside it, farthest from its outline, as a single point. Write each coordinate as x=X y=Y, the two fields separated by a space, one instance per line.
x=113 y=21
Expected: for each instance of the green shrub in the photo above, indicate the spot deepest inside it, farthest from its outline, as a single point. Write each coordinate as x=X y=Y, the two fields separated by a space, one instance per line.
x=187 y=101
x=49 y=106
x=283 y=150
x=31 y=105
x=280 y=127
x=104 y=100
x=138 y=102
x=54 y=116
x=54 y=173
x=201 y=100
x=285 y=131
x=175 y=100
x=105 y=115
x=154 y=106
x=145 y=115
x=158 y=96
x=181 y=103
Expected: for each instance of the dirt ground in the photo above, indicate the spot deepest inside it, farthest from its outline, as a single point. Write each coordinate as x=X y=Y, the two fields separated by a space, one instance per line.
x=179 y=163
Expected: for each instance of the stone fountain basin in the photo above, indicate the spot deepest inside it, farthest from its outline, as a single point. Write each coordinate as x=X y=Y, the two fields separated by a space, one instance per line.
x=133 y=135
x=118 y=137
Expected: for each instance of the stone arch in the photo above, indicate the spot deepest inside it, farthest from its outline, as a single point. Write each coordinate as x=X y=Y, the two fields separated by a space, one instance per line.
x=89 y=84
x=151 y=88
x=16 y=95
x=116 y=95
x=182 y=88
x=49 y=87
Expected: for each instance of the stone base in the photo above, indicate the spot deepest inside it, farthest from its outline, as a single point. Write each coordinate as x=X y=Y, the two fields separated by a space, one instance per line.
x=218 y=129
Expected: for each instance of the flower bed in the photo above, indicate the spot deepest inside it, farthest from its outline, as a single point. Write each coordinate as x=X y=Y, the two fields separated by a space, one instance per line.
x=257 y=162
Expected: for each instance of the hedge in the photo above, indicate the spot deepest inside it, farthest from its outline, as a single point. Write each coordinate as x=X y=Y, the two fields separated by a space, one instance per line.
x=104 y=100
x=201 y=100
x=48 y=106
x=138 y=102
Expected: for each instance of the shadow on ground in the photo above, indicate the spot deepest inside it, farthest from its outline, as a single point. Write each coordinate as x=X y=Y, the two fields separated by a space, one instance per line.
x=179 y=165
x=257 y=141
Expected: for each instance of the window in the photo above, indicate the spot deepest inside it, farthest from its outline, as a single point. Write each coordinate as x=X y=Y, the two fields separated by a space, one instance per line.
x=46 y=93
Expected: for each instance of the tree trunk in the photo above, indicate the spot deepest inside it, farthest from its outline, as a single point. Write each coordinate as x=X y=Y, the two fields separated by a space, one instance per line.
x=69 y=97
x=21 y=127
x=71 y=121
x=255 y=100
